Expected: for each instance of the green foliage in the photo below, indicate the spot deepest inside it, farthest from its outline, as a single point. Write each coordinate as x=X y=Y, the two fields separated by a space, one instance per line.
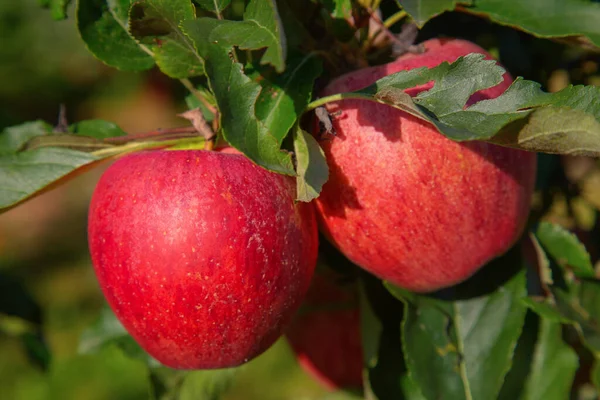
x=462 y=349
x=104 y=29
x=519 y=329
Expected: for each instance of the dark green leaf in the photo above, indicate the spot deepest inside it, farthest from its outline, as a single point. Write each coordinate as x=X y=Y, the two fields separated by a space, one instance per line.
x=58 y=8
x=261 y=28
x=544 y=18
x=107 y=331
x=97 y=128
x=565 y=248
x=106 y=37
x=311 y=166
x=381 y=317
x=284 y=97
x=422 y=11
x=156 y=23
x=462 y=349
x=265 y=17
x=215 y=6
x=21 y=316
x=236 y=96
x=546 y=309
x=554 y=365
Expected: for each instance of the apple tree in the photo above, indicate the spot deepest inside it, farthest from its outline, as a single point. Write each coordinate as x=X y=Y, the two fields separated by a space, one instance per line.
x=403 y=193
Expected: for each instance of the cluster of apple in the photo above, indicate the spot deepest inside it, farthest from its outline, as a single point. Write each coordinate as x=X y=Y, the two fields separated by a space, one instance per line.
x=206 y=257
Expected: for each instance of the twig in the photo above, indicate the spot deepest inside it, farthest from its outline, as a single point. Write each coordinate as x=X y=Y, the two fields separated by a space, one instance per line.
x=168 y=133
x=189 y=86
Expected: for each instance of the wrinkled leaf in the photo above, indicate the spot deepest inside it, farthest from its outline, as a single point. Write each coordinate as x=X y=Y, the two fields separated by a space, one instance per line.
x=106 y=37
x=565 y=248
x=156 y=23
x=462 y=349
x=554 y=365
x=311 y=166
x=524 y=116
x=261 y=28
x=236 y=96
x=544 y=18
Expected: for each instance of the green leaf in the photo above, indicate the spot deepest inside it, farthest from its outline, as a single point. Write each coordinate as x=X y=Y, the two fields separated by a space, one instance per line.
x=546 y=309
x=236 y=96
x=15 y=137
x=215 y=6
x=207 y=385
x=26 y=173
x=381 y=316
x=422 y=11
x=156 y=23
x=108 y=331
x=284 y=97
x=261 y=28
x=554 y=365
x=58 y=8
x=97 y=128
x=544 y=18
x=311 y=166
x=106 y=37
x=32 y=157
x=565 y=248
x=462 y=349
x=566 y=122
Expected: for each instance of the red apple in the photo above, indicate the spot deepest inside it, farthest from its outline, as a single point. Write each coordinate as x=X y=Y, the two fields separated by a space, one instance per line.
x=203 y=256
x=408 y=204
x=325 y=335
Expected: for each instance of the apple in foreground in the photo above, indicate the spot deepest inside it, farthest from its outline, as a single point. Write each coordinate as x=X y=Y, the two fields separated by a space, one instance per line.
x=325 y=335
x=203 y=256
x=408 y=204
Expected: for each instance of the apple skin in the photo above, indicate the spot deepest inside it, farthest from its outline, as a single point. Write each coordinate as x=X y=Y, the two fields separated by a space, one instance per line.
x=325 y=335
x=406 y=203
x=203 y=256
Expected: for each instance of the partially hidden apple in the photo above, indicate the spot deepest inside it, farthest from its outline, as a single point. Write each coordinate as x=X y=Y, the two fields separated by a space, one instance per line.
x=325 y=335
x=408 y=204
x=203 y=256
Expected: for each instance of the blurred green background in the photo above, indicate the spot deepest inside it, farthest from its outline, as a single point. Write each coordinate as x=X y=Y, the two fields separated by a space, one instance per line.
x=45 y=269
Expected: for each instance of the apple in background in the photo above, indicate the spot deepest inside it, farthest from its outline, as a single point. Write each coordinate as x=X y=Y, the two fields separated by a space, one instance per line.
x=408 y=204
x=325 y=335
x=203 y=256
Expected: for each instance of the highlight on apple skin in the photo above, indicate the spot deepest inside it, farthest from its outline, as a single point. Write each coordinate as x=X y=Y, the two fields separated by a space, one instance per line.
x=325 y=335
x=203 y=256
x=406 y=203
